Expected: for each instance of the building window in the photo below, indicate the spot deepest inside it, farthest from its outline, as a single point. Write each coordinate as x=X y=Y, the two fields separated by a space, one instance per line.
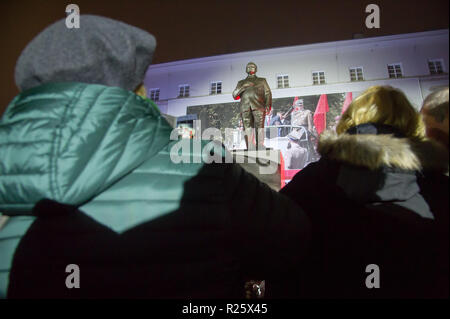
x=183 y=90
x=318 y=77
x=216 y=88
x=282 y=81
x=436 y=66
x=356 y=74
x=395 y=70
x=154 y=94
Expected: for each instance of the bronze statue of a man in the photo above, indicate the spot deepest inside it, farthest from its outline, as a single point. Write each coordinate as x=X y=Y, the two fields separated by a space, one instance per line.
x=256 y=100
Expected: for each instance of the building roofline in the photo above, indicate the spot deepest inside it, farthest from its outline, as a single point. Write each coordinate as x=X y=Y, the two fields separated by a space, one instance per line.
x=300 y=48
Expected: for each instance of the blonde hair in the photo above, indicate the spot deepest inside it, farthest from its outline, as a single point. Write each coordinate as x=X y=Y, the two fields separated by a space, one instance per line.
x=141 y=91
x=383 y=105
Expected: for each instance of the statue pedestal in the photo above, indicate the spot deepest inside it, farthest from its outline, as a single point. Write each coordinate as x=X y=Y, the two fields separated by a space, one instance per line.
x=264 y=164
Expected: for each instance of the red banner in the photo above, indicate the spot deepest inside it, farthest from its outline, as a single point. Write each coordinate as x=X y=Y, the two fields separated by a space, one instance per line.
x=320 y=115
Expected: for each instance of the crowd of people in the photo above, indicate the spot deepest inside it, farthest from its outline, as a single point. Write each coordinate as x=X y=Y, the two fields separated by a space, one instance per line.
x=86 y=180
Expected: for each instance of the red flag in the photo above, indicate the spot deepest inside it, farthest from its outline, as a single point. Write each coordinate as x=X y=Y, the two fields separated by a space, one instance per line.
x=320 y=115
x=348 y=100
x=293 y=103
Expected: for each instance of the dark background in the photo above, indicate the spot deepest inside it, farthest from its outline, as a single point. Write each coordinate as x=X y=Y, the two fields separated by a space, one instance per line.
x=197 y=28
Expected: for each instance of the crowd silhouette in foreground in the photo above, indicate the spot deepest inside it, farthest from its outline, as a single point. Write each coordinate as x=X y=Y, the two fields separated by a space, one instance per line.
x=86 y=180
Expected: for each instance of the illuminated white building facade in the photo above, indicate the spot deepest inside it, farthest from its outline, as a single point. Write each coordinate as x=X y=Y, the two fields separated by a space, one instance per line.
x=416 y=63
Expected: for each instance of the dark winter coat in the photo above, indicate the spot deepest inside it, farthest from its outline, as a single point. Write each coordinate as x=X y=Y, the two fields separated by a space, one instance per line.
x=374 y=199
x=87 y=178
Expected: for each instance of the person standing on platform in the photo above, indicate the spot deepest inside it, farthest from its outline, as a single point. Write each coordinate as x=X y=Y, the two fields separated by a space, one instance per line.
x=268 y=122
x=269 y=117
x=302 y=117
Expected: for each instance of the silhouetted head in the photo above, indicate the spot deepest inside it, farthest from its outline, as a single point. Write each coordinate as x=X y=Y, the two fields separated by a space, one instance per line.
x=435 y=115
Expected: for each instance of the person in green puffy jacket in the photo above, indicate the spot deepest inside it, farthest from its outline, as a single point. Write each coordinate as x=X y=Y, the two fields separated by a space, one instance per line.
x=87 y=183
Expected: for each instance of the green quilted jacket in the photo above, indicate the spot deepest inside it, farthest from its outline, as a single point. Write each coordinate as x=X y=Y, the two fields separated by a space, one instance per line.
x=106 y=151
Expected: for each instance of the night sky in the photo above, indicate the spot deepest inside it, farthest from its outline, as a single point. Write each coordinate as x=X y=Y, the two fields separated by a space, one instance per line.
x=197 y=28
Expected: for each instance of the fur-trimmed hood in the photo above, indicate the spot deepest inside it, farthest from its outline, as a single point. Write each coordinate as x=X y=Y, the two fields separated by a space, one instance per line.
x=377 y=151
x=377 y=169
